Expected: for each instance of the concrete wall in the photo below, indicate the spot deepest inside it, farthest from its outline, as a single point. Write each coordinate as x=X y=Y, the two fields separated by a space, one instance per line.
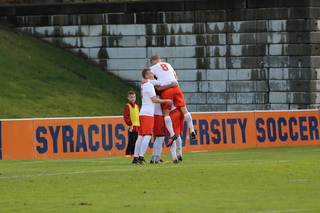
x=229 y=55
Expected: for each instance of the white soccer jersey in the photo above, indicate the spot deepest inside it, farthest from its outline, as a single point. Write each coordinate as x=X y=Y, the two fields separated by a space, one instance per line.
x=164 y=73
x=157 y=108
x=147 y=92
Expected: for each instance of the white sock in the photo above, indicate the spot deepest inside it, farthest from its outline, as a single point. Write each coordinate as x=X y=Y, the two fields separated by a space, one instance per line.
x=173 y=150
x=144 y=145
x=188 y=118
x=138 y=146
x=158 y=144
x=168 y=122
x=179 y=146
x=154 y=150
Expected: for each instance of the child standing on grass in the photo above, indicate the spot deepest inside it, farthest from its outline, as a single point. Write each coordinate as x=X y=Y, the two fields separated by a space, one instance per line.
x=131 y=117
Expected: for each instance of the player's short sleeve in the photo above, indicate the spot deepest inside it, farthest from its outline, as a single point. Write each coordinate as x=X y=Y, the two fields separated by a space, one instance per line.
x=150 y=90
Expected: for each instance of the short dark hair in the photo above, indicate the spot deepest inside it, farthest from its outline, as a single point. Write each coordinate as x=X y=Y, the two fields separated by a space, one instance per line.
x=144 y=72
x=154 y=58
x=131 y=93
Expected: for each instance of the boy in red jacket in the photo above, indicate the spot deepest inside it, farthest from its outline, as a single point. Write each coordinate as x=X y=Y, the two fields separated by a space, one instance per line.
x=131 y=117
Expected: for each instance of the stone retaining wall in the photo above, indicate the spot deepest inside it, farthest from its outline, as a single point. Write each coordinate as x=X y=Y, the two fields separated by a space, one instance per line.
x=232 y=55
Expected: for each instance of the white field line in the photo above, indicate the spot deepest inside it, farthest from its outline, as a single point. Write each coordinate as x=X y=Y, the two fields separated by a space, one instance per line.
x=102 y=160
x=107 y=159
x=240 y=153
x=288 y=210
x=135 y=167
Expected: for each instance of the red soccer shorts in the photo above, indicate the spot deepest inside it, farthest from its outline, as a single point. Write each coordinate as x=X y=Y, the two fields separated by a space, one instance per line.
x=159 y=128
x=175 y=94
x=146 y=125
x=177 y=120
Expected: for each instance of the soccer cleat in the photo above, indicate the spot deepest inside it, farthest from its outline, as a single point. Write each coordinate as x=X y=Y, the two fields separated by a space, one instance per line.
x=162 y=162
x=152 y=161
x=127 y=156
x=135 y=161
x=175 y=161
x=180 y=158
x=175 y=137
x=193 y=135
x=132 y=156
x=142 y=160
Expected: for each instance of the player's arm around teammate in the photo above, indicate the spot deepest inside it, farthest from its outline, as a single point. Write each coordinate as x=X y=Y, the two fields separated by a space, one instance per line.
x=146 y=116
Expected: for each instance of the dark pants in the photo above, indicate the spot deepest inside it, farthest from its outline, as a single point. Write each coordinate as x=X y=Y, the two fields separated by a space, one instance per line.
x=132 y=143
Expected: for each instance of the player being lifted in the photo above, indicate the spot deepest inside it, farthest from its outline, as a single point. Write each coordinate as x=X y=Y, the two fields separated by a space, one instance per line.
x=166 y=75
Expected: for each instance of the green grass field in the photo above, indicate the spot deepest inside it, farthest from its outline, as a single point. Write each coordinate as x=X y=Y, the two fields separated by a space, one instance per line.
x=285 y=179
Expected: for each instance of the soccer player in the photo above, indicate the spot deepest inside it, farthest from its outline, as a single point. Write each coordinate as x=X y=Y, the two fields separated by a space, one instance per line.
x=166 y=75
x=159 y=129
x=177 y=119
x=146 y=116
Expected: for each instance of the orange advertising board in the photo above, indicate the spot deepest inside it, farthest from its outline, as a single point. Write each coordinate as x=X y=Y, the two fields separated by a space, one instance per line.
x=287 y=128
x=106 y=136
x=79 y=137
x=220 y=130
x=16 y=139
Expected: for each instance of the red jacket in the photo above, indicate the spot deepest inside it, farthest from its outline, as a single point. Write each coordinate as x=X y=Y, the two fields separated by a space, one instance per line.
x=126 y=116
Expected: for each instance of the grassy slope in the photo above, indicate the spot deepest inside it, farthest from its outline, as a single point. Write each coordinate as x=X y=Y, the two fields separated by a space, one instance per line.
x=38 y=80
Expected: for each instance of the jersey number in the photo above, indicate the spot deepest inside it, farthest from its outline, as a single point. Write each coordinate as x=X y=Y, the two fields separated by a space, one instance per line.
x=164 y=67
